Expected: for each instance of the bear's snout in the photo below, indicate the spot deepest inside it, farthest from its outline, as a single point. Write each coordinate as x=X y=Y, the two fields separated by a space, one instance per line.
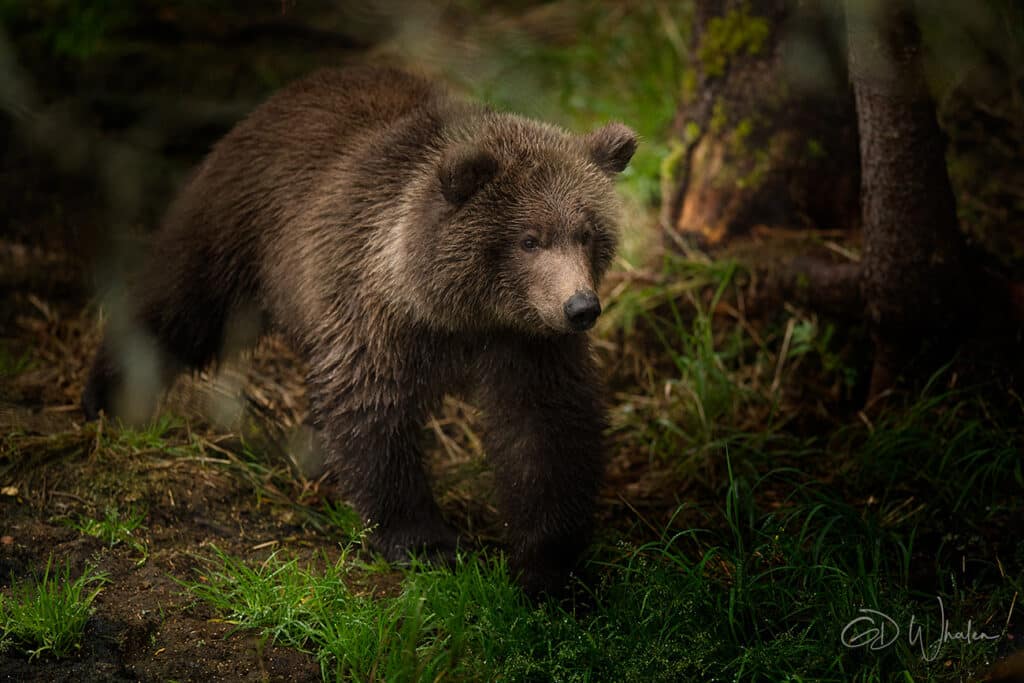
x=581 y=310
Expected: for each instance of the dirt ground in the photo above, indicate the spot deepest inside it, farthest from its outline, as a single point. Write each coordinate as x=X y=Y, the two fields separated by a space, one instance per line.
x=57 y=469
x=127 y=124
x=230 y=485
x=197 y=486
x=232 y=481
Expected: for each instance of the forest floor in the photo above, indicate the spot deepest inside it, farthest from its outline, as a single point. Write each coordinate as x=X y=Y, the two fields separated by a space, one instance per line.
x=727 y=458
x=754 y=506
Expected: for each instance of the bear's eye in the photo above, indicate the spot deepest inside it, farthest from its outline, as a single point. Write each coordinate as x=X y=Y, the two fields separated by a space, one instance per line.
x=530 y=243
x=585 y=237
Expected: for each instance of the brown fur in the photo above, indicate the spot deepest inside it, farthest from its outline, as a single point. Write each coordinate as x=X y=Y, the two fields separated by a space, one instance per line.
x=410 y=244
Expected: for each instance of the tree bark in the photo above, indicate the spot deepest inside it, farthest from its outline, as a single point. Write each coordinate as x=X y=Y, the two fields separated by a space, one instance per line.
x=766 y=130
x=914 y=283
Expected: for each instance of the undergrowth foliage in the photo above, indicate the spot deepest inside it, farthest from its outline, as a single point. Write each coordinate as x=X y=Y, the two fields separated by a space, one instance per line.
x=791 y=579
x=692 y=396
x=115 y=528
x=47 y=616
x=813 y=522
x=629 y=68
x=767 y=596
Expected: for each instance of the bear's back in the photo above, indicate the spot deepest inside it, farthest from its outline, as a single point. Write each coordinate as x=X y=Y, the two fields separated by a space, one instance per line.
x=277 y=153
x=272 y=163
x=330 y=106
x=240 y=207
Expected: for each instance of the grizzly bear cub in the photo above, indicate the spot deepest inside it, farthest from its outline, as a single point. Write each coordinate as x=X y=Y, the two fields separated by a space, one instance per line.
x=409 y=244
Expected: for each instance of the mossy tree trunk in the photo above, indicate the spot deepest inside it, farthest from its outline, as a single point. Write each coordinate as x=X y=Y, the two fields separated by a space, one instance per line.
x=914 y=279
x=766 y=127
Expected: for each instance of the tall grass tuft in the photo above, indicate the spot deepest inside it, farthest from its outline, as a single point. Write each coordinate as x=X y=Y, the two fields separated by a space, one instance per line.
x=48 y=616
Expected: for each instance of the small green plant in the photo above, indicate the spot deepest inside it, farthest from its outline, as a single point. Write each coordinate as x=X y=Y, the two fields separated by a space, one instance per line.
x=343 y=518
x=812 y=338
x=72 y=29
x=13 y=364
x=731 y=35
x=700 y=401
x=116 y=529
x=49 y=615
x=150 y=437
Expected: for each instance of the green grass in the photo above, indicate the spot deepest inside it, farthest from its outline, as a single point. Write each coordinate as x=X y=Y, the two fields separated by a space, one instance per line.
x=762 y=593
x=797 y=535
x=887 y=515
x=116 y=528
x=48 y=616
x=12 y=364
x=706 y=388
x=951 y=442
x=342 y=519
x=153 y=436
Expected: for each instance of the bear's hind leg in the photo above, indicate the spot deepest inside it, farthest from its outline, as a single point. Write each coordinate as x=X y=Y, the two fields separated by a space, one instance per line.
x=177 y=319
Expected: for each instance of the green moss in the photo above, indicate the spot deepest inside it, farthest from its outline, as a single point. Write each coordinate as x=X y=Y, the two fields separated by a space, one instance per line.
x=740 y=135
x=691 y=132
x=735 y=33
x=671 y=162
x=815 y=149
x=688 y=85
x=754 y=179
x=719 y=118
x=747 y=161
x=738 y=141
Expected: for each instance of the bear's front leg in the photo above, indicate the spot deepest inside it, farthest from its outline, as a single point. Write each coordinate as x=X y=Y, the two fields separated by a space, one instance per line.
x=544 y=424
x=369 y=426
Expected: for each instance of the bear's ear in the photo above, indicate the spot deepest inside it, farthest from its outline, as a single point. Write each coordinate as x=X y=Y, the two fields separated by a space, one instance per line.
x=464 y=171
x=612 y=147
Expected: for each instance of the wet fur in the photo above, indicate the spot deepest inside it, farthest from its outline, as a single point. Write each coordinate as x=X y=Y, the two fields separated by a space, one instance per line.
x=374 y=219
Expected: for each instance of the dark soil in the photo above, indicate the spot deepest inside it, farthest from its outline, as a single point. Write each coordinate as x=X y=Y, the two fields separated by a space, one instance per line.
x=145 y=626
x=76 y=205
x=67 y=234
x=130 y=118
x=55 y=468
x=237 y=491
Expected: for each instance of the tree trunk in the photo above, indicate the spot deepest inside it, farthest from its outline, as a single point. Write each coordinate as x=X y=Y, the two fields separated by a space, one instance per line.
x=914 y=281
x=765 y=131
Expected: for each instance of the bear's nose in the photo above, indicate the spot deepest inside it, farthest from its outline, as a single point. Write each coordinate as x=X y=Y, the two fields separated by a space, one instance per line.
x=581 y=310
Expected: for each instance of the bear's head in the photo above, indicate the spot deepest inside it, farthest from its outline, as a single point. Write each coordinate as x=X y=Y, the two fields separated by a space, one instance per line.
x=522 y=225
